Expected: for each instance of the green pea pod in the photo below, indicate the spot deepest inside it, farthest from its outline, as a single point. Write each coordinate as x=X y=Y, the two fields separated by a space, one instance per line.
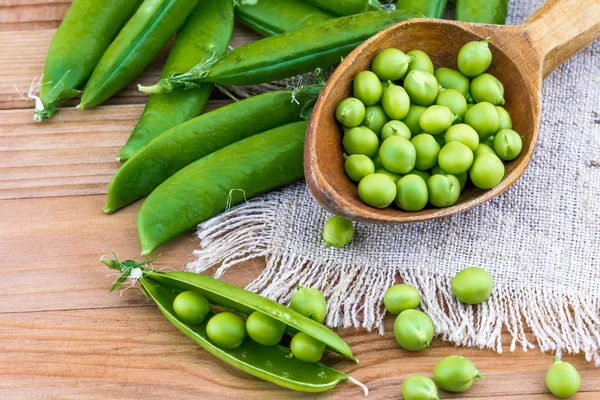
x=272 y=17
x=287 y=54
x=341 y=7
x=185 y=143
x=140 y=40
x=226 y=177
x=429 y=8
x=82 y=37
x=204 y=35
x=482 y=11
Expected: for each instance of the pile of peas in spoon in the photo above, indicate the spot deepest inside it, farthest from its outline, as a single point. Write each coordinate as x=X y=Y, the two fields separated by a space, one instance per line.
x=414 y=135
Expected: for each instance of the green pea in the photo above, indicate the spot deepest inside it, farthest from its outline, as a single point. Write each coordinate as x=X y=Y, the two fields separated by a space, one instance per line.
x=309 y=302
x=454 y=100
x=421 y=86
x=395 y=128
x=443 y=190
x=455 y=158
x=488 y=88
x=507 y=144
x=226 y=330
x=452 y=79
x=337 y=232
x=472 y=285
x=394 y=177
x=419 y=387
x=462 y=178
x=377 y=190
x=413 y=330
x=398 y=155
x=358 y=166
x=483 y=149
x=423 y=174
x=412 y=118
x=367 y=88
x=484 y=118
x=464 y=134
x=455 y=374
x=191 y=307
x=350 y=112
x=487 y=171
x=562 y=379
x=390 y=64
x=419 y=60
x=375 y=119
x=505 y=120
x=306 y=348
x=401 y=297
x=436 y=119
x=395 y=102
x=263 y=329
x=411 y=193
x=427 y=150
x=474 y=58
x=377 y=161
x=361 y=140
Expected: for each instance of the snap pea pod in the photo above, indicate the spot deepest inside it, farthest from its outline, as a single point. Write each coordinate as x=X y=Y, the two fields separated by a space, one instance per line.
x=482 y=11
x=429 y=8
x=226 y=177
x=341 y=7
x=272 y=17
x=140 y=40
x=185 y=143
x=205 y=34
x=287 y=54
x=82 y=37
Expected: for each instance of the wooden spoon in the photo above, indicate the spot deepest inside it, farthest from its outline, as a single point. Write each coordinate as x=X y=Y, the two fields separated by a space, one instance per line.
x=522 y=57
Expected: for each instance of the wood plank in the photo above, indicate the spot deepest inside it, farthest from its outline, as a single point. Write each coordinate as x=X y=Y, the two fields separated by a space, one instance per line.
x=17 y=15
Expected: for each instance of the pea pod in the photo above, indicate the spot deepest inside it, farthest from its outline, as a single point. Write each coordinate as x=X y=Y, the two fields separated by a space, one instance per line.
x=272 y=17
x=198 y=137
x=429 y=8
x=482 y=11
x=288 y=54
x=140 y=40
x=341 y=7
x=204 y=35
x=82 y=37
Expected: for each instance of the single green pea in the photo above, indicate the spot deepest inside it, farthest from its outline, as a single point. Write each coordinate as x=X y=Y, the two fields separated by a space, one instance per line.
x=474 y=58
x=394 y=177
x=398 y=298
x=472 y=285
x=264 y=329
x=421 y=86
x=443 y=190
x=309 y=302
x=562 y=379
x=423 y=174
x=452 y=79
x=413 y=330
x=507 y=144
x=306 y=348
x=462 y=178
x=488 y=88
x=350 y=112
x=419 y=387
x=455 y=374
x=505 y=120
x=419 y=60
x=367 y=88
x=377 y=161
x=398 y=155
x=191 y=307
x=427 y=150
x=462 y=133
x=487 y=171
x=390 y=64
x=377 y=190
x=395 y=128
x=455 y=158
x=375 y=119
x=337 y=232
x=437 y=119
x=358 y=166
x=483 y=149
x=454 y=100
x=361 y=140
x=412 y=118
x=411 y=193
x=484 y=118
x=395 y=102
x=226 y=330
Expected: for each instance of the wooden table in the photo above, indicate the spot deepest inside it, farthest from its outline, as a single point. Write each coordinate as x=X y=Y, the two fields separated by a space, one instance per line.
x=63 y=336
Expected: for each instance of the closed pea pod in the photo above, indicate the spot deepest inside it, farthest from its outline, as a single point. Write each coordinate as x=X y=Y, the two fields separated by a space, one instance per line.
x=455 y=374
x=482 y=11
x=341 y=7
x=429 y=8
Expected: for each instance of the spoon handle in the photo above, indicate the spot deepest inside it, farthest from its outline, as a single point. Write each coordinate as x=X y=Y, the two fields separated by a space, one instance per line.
x=560 y=28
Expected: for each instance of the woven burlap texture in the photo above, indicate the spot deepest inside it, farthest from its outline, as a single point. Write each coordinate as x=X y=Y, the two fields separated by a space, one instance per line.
x=540 y=240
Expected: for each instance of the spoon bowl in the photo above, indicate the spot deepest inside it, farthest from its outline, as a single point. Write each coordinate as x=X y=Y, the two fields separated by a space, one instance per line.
x=522 y=57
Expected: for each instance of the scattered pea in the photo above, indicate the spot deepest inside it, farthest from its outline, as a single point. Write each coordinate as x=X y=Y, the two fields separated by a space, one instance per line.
x=395 y=128
x=191 y=307
x=306 y=348
x=377 y=190
x=452 y=79
x=419 y=387
x=421 y=86
x=455 y=158
x=463 y=133
x=309 y=302
x=413 y=330
x=437 y=119
x=487 y=171
x=350 y=112
x=367 y=88
x=397 y=155
x=264 y=329
x=427 y=150
x=562 y=379
x=358 y=166
x=375 y=119
x=401 y=297
x=455 y=374
x=361 y=140
x=507 y=144
x=443 y=190
x=474 y=58
x=487 y=87
x=337 y=232
x=390 y=64
x=395 y=102
x=454 y=100
x=472 y=285
x=226 y=330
